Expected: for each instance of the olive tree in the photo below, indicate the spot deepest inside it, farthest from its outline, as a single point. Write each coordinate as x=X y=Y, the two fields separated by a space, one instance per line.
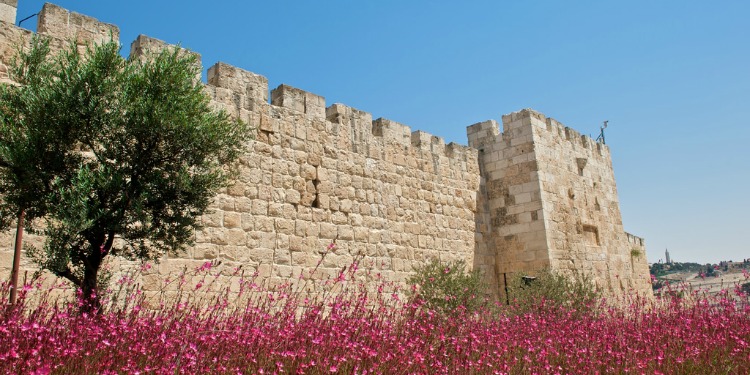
x=113 y=156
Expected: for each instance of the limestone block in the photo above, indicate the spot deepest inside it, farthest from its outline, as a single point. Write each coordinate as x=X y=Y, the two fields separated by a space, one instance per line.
x=285 y=226
x=232 y=220
x=242 y=82
x=213 y=218
x=236 y=237
x=392 y=132
x=307 y=198
x=62 y=24
x=234 y=253
x=345 y=232
x=292 y=196
x=320 y=215
x=8 y=9
x=247 y=222
x=243 y=204
x=144 y=48
x=308 y=172
x=324 y=202
x=259 y=207
x=296 y=244
x=328 y=231
x=264 y=224
x=299 y=100
x=266 y=240
x=276 y=209
x=356 y=123
x=422 y=140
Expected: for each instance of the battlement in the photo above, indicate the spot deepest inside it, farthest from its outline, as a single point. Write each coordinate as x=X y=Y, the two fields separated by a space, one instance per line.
x=239 y=91
x=488 y=132
x=540 y=122
x=299 y=100
x=62 y=24
x=637 y=242
x=8 y=10
x=529 y=195
x=483 y=133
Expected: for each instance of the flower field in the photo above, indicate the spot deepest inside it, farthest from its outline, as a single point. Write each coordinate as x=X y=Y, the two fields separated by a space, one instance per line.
x=353 y=332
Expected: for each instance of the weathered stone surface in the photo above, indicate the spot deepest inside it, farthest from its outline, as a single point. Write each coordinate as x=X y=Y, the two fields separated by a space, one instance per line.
x=64 y=25
x=8 y=9
x=535 y=195
x=550 y=201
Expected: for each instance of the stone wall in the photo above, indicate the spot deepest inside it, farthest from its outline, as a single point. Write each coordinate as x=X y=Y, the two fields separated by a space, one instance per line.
x=320 y=174
x=639 y=262
x=551 y=202
x=315 y=175
x=536 y=195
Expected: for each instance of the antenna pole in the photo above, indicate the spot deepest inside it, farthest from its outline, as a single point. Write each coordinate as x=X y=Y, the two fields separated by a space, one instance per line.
x=600 y=138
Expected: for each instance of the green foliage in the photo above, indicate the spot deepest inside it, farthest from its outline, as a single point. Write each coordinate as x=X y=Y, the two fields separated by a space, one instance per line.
x=447 y=287
x=710 y=271
x=548 y=288
x=662 y=269
x=34 y=147
x=102 y=148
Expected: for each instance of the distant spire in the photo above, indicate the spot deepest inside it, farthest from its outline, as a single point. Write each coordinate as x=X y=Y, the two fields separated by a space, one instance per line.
x=669 y=260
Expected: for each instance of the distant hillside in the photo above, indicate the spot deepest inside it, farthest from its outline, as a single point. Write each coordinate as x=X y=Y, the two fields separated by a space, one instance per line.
x=663 y=269
x=709 y=278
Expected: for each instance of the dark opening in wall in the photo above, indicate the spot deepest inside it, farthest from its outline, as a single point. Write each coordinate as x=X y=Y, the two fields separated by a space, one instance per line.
x=316 y=201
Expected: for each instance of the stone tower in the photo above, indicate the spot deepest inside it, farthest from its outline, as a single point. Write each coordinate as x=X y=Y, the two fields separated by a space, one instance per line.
x=536 y=195
x=548 y=199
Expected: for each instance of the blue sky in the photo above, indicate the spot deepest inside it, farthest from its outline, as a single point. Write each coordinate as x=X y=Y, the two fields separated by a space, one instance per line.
x=672 y=78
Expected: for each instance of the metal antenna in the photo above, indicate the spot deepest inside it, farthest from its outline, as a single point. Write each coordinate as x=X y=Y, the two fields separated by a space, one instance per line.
x=19 y=22
x=600 y=138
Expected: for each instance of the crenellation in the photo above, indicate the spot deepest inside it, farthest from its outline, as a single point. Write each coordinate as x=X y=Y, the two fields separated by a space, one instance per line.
x=538 y=175
x=352 y=127
x=253 y=87
x=8 y=10
x=392 y=132
x=64 y=25
x=421 y=140
x=535 y=195
x=483 y=133
x=299 y=100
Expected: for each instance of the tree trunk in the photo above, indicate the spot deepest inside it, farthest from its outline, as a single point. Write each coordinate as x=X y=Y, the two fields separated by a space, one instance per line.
x=90 y=301
x=16 y=258
x=90 y=296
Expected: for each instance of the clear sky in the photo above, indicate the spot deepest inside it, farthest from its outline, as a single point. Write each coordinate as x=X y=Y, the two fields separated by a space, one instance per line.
x=672 y=78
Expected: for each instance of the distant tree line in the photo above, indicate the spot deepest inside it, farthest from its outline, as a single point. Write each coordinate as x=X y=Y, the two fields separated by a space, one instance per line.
x=662 y=269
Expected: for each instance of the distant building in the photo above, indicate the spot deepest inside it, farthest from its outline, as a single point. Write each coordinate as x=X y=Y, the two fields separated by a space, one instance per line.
x=669 y=260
